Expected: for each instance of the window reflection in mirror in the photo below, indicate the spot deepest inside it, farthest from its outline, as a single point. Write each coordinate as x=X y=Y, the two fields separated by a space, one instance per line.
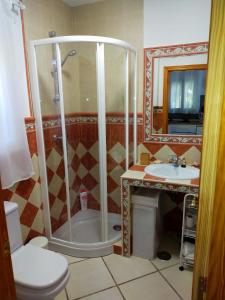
x=183 y=99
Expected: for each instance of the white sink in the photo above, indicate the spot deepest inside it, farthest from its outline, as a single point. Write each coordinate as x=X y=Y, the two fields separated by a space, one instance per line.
x=170 y=172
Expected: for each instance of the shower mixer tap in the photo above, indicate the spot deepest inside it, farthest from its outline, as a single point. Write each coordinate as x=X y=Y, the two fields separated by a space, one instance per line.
x=57 y=138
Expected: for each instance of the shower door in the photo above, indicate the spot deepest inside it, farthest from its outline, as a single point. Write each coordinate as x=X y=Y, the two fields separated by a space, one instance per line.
x=50 y=128
x=82 y=98
x=115 y=87
x=68 y=115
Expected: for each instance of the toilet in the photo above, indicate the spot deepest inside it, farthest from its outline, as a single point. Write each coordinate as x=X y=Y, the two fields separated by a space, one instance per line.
x=39 y=274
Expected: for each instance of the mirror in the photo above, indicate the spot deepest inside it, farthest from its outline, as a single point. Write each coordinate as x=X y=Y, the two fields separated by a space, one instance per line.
x=183 y=100
x=174 y=93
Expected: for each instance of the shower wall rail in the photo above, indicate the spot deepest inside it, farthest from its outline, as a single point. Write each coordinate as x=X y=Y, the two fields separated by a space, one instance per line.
x=100 y=71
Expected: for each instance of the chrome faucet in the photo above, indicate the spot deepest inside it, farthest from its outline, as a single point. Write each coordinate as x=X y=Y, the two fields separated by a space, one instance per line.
x=177 y=161
x=174 y=159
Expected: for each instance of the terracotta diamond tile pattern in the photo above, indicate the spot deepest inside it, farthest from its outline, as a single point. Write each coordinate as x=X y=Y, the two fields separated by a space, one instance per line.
x=24 y=188
x=83 y=166
x=62 y=193
x=61 y=169
x=88 y=161
x=89 y=182
x=82 y=133
x=75 y=163
x=57 y=189
x=111 y=184
x=27 y=195
x=28 y=215
x=111 y=163
x=51 y=199
x=50 y=174
x=162 y=151
x=76 y=184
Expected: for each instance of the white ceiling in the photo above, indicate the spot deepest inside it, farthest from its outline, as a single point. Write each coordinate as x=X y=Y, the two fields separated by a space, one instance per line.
x=74 y=3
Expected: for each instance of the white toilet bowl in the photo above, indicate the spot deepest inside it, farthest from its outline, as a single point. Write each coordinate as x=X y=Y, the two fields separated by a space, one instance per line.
x=39 y=274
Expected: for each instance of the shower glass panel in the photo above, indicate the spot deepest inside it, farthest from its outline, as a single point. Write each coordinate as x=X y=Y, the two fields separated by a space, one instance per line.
x=52 y=134
x=115 y=128
x=80 y=107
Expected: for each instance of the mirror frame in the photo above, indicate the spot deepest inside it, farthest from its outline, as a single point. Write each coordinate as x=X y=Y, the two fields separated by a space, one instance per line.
x=150 y=54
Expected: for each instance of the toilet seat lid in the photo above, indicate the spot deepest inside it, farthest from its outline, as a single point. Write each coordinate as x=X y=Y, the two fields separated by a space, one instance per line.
x=38 y=268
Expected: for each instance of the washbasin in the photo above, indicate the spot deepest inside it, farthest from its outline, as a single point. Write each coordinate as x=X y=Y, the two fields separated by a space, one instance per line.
x=169 y=171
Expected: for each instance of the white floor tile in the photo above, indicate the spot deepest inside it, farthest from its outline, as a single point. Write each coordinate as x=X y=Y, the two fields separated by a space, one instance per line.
x=87 y=277
x=72 y=259
x=180 y=280
x=110 y=294
x=61 y=296
x=150 y=287
x=124 y=269
x=162 y=264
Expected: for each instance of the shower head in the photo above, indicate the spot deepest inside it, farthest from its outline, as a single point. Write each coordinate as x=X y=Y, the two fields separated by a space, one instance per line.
x=70 y=53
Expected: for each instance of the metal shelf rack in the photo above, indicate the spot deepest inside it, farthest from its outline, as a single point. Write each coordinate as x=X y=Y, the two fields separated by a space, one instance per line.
x=190 y=210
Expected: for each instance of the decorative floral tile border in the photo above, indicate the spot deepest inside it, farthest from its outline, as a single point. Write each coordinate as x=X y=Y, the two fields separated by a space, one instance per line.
x=55 y=121
x=150 y=54
x=147 y=183
x=29 y=124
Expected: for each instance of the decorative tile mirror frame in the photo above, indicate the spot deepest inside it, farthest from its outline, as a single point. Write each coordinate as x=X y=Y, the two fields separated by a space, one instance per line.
x=150 y=54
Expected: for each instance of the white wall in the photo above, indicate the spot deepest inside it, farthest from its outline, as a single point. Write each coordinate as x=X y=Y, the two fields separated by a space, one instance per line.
x=171 y=22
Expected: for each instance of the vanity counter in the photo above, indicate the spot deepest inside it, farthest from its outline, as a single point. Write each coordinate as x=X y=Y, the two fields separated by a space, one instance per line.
x=136 y=176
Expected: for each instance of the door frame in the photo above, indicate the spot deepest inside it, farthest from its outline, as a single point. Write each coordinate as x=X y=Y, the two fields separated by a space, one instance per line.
x=208 y=281
x=7 y=285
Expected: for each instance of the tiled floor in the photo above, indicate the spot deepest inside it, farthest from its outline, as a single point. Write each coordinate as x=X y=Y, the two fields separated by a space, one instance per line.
x=114 y=277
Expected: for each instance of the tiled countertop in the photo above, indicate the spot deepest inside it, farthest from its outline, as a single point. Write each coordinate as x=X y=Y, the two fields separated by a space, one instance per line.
x=136 y=176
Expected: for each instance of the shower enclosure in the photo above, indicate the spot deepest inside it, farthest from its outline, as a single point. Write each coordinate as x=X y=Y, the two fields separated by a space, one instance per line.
x=84 y=91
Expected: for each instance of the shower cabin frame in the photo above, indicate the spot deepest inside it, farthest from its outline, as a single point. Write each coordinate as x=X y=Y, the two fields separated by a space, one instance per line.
x=70 y=247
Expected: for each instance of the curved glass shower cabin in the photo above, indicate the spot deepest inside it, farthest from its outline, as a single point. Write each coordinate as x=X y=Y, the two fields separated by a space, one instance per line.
x=84 y=97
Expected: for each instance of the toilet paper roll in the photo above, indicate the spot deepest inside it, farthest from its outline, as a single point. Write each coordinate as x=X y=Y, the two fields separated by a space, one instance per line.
x=189 y=221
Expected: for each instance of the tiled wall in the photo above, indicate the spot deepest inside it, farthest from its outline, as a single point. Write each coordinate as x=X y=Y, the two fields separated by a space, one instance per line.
x=162 y=151
x=27 y=194
x=83 y=157
x=172 y=203
x=82 y=133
